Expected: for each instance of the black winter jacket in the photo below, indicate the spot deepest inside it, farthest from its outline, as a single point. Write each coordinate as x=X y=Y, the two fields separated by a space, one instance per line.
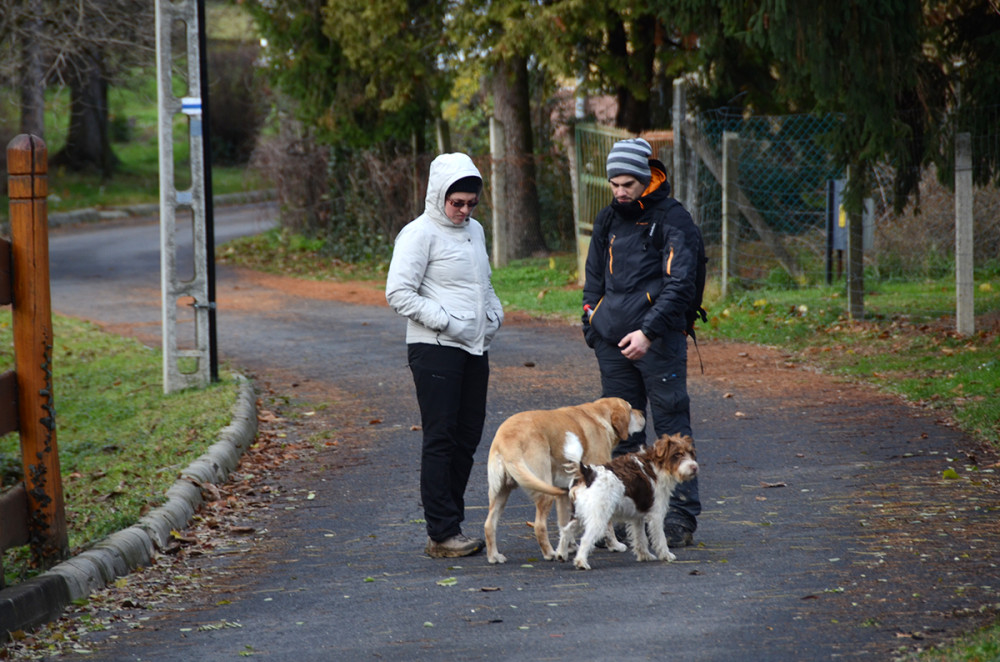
x=642 y=265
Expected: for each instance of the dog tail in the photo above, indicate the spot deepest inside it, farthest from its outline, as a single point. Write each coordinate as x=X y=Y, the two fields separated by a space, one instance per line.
x=573 y=452
x=572 y=448
x=527 y=479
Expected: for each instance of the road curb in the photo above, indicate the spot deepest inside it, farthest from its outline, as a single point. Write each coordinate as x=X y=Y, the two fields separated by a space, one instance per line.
x=43 y=598
x=91 y=215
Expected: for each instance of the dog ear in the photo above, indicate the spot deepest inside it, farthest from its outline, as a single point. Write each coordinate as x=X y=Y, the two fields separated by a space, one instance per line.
x=661 y=449
x=621 y=416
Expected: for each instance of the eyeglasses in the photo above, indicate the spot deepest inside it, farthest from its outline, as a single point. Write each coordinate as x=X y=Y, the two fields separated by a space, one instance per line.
x=459 y=204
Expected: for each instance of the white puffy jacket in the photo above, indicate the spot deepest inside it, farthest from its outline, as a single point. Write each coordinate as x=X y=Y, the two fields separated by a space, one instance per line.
x=439 y=276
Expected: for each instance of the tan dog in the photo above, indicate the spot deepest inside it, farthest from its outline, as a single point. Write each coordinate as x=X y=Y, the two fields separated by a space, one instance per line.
x=527 y=450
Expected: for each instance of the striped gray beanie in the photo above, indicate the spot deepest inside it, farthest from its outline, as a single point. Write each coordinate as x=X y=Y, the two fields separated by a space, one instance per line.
x=630 y=157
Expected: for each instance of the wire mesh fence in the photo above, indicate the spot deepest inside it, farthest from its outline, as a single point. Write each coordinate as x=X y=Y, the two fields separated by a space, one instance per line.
x=786 y=174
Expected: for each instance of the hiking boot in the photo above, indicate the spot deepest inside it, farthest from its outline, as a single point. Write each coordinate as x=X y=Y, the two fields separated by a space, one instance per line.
x=678 y=535
x=458 y=545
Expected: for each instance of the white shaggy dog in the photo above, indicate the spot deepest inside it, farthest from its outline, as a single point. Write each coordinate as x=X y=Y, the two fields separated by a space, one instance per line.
x=633 y=488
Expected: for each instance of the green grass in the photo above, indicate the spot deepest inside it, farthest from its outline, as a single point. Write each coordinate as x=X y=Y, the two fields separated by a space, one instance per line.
x=544 y=286
x=905 y=344
x=122 y=442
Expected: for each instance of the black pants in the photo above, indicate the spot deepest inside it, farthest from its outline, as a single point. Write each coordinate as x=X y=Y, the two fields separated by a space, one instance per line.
x=658 y=379
x=451 y=391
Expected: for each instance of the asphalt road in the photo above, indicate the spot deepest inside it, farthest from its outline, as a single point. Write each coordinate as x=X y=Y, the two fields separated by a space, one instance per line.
x=828 y=531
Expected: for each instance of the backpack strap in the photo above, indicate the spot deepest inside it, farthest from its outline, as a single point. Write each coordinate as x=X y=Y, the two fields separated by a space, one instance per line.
x=698 y=312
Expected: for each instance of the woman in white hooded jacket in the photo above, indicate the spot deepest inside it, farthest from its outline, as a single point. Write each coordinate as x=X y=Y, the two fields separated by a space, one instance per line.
x=439 y=279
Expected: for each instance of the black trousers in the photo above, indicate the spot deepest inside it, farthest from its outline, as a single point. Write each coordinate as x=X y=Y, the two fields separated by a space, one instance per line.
x=658 y=379
x=451 y=391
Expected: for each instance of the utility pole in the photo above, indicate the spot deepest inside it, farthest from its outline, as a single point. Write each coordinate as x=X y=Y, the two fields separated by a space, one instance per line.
x=187 y=364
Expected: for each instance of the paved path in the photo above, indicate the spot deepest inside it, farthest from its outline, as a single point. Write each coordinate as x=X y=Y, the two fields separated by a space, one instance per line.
x=828 y=530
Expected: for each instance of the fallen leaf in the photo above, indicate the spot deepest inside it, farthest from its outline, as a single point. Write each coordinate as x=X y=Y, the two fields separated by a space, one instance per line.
x=450 y=581
x=769 y=485
x=177 y=535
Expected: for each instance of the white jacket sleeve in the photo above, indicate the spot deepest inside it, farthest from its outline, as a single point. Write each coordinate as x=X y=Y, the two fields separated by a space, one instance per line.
x=406 y=273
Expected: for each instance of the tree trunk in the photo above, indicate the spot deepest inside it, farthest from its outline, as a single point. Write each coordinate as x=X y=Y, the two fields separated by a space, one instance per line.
x=512 y=107
x=87 y=143
x=633 y=91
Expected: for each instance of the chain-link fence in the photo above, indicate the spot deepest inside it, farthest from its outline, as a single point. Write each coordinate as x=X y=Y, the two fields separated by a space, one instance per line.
x=786 y=173
x=786 y=177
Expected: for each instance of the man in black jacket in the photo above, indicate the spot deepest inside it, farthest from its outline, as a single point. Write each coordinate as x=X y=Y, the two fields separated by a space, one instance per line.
x=641 y=276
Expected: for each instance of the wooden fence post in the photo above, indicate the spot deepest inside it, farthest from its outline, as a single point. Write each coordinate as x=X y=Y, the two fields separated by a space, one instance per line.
x=27 y=169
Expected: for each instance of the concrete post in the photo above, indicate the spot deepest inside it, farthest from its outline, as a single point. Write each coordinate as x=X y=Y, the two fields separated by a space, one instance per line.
x=190 y=366
x=855 y=262
x=680 y=146
x=965 y=294
x=498 y=152
x=730 y=209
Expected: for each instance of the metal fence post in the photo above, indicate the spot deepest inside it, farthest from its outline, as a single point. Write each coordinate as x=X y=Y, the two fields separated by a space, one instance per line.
x=27 y=169
x=965 y=314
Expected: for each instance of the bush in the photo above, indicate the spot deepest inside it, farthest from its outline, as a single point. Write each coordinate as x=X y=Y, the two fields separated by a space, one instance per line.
x=357 y=201
x=238 y=101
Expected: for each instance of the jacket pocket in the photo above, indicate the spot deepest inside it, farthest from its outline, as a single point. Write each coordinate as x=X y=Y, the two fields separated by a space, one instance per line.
x=492 y=326
x=462 y=325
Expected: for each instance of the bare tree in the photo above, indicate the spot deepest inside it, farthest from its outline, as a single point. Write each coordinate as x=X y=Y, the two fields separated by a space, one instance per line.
x=84 y=44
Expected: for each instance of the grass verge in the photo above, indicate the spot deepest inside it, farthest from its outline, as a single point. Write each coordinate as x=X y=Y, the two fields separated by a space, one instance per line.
x=122 y=441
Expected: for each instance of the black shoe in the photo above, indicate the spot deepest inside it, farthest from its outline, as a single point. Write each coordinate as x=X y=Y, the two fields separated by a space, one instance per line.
x=678 y=535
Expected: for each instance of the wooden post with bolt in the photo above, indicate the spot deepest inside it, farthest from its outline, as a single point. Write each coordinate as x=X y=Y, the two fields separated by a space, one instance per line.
x=27 y=170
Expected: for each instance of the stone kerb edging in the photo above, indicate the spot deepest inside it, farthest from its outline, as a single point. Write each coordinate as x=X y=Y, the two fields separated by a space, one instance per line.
x=44 y=597
x=91 y=215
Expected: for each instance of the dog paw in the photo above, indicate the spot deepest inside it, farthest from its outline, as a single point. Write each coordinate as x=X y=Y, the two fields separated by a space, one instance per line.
x=497 y=558
x=618 y=547
x=669 y=556
x=581 y=564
